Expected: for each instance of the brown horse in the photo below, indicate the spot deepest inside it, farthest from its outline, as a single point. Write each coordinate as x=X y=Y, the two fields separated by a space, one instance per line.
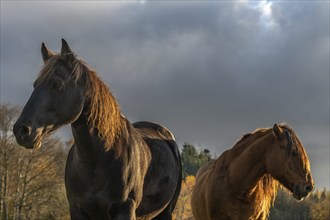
x=115 y=169
x=242 y=183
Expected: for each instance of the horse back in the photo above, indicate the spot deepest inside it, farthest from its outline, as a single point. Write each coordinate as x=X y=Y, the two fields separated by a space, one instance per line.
x=153 y=130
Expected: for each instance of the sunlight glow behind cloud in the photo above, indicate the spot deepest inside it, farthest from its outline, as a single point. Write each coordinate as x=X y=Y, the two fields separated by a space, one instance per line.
x=260 y=9
x=265 y=8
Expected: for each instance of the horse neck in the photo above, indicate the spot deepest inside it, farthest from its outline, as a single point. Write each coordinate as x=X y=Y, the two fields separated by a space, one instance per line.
x=248 y=168
x=98 y=127
x=86 y=144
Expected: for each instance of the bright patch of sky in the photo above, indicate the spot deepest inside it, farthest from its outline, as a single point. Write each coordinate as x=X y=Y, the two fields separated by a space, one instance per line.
x=265 y=8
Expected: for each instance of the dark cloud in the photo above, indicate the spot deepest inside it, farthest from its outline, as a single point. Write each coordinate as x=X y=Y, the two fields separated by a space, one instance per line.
x=210 y=71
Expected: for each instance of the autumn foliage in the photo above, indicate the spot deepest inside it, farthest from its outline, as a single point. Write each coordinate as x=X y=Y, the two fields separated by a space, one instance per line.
x=183 y=207
x=31 y=182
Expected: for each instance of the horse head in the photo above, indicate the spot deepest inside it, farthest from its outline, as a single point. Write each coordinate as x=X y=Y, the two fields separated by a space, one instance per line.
x=287 y=162
x=57 y=98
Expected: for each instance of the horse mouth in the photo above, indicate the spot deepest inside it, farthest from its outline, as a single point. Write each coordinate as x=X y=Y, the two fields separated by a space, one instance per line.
x=294 y=190
x=298 y=197
x=30 y=143
x=29 y=138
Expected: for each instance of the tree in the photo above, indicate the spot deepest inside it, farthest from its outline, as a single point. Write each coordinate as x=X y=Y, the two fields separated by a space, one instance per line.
x=7 y=115
x=314 y=207
x=286 y=207
x=320 y=210
x=31 y=181
x=193 y=160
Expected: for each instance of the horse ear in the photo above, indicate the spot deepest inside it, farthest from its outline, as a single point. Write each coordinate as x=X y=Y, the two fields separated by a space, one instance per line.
x=45 y=52
x=277 y=131
x=65 y=48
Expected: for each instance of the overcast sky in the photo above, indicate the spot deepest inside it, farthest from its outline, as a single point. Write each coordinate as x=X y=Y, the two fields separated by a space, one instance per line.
x=209 y=71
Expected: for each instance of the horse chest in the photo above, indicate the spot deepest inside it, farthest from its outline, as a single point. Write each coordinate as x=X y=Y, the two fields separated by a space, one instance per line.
x=96 y=186
x=94 y=190
x=93 y=202
x=94 y=196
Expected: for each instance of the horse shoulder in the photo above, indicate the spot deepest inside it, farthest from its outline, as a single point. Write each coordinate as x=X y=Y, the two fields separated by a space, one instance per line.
x=199 y=199
x=211 y=186
x=205 y=171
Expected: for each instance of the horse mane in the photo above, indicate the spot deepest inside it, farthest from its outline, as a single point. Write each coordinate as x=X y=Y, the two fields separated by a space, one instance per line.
x=265 y=194
x=246 y=139
x=104 y=112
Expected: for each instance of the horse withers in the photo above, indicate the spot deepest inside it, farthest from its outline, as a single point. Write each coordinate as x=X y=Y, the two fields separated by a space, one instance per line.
x=115 y=169
x=242 y=183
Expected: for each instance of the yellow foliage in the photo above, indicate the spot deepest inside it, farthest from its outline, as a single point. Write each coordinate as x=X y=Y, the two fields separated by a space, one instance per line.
x=320 y=211
x=183 y=208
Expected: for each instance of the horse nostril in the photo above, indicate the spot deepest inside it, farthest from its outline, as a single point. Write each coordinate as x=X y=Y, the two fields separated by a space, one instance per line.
x=24 y=131
x=308 y=188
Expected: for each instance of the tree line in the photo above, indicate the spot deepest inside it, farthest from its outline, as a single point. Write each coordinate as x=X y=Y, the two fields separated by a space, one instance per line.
x=32 y=181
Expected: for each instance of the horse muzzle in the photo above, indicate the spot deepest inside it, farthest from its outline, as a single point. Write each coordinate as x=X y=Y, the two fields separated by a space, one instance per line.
x=300 y=191
x=27 y=136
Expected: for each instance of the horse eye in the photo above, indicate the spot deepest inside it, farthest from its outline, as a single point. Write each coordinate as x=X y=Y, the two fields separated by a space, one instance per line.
x=59 y=75
x=55 y=84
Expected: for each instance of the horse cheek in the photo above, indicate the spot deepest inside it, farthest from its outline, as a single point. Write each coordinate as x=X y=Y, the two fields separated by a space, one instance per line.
x=272 y=167
x=72 y=108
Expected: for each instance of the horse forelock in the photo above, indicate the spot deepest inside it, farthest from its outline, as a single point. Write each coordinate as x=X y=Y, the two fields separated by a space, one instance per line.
x=49 y=68
x=104 y=112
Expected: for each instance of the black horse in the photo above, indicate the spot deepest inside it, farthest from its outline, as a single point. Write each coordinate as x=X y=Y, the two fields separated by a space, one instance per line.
x=115 y=169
